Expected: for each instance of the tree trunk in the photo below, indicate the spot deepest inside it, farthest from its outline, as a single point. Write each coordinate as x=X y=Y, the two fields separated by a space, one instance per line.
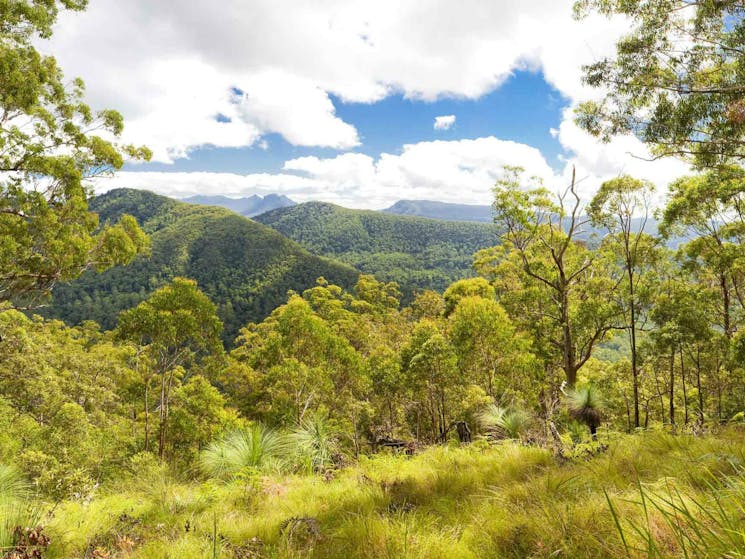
x=698 y=386
x=683 y=382
x=727 y=321
x=147 y=416
x=632 y=327
x=672 y=388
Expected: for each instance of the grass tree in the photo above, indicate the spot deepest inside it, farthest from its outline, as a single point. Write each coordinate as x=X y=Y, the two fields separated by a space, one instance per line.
x=585 y=406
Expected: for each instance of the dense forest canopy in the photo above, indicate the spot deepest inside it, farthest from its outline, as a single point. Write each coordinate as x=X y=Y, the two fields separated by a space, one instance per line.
x=414 y=252
x=245 y=267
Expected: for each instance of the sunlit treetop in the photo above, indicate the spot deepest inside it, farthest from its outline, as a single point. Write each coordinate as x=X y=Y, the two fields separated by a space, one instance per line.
x=51 y=144
x=677 y=80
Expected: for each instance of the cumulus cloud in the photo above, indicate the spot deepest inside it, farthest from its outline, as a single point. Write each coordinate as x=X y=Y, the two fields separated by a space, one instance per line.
x=196 y=76
x=444 y=122
x=624 y=155
x=451 y=171
x=171 y=70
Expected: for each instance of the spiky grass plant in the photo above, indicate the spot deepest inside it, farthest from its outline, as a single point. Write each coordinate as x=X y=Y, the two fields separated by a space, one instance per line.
x=509 y=423
x=12 y=484
x=316 y=442
x=256 y=447
x=16 y=509
x=585 y=405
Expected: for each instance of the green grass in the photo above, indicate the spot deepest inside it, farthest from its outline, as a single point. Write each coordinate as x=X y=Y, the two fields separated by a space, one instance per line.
x=648 y=495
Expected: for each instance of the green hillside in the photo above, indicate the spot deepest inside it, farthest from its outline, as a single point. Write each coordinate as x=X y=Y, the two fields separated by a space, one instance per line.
x=245 y=267
x=417 y=253
x=442 y=210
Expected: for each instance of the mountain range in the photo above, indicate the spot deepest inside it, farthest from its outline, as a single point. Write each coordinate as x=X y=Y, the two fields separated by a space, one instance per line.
x=255 y=205
x=442 y=210
x=418 y=253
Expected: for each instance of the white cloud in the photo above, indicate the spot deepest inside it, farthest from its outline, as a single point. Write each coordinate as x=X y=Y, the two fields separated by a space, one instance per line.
x=625 y=155
x=170 y=70
x=452 y=171
x=294 y=107
x=444 y=122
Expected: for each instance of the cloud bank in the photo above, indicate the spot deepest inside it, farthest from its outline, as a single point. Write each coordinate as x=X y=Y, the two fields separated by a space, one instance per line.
x=193 y=74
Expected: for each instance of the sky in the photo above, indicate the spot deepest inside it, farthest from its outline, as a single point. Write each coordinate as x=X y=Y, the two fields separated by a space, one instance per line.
x=359 y=103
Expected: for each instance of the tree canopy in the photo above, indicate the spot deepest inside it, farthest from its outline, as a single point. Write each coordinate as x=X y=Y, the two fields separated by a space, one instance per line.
x=50 y=143
x=677 y=80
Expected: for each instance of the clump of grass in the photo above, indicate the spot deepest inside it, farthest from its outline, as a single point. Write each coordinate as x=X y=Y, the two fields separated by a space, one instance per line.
x=667 y=521
x=253 y=448
x=510 y=423
x=316 y=442
x=17 y=511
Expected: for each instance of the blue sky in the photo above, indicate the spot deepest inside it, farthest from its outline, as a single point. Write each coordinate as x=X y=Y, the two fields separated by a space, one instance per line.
x=524 y=109
x=336 y=100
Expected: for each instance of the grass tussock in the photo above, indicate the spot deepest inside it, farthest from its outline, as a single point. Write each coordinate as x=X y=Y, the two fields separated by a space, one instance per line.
x=647 y=495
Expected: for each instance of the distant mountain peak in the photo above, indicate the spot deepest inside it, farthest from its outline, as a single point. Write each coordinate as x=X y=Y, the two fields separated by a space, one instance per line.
x=249 y=206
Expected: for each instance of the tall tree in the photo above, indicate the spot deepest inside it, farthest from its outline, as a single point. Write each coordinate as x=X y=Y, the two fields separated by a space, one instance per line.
x=551 y=278
x=622 y=206
x=50 y=143
x=677 y=80
x=491 y=353
x=711 y=208
x=175 y=325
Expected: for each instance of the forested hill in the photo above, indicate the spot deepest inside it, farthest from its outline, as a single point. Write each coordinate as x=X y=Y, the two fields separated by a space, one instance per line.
x=442 y=210
x=245 y=267
x=417 y=253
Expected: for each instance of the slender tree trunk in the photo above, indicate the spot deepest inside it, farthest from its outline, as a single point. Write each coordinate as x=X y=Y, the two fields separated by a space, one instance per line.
x=632 y=327
x=147 y=415
x=727 y=321
x=672 y=388
x=661 y=398
x=570 y=362
x=683 y=382
x=698 y=387
x=628 y=411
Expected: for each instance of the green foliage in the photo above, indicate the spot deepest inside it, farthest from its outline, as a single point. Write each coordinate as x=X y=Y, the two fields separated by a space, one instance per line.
x=253 y=448
x=475 y=287
x=547 y=278
x=316 y=442
x=510 y=423
x=176 y=326
x=490 y=350
x=47 y=152
x=245 y=268
x=416 y=253
x=675 y=80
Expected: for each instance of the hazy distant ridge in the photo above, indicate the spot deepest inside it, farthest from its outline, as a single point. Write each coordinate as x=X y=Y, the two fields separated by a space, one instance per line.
x=442 y=210
x=248 y=206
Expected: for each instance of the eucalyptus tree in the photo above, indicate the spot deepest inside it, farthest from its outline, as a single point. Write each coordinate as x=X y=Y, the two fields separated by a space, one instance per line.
x=491 y=352
x=677 y=80
x=710 y=208
x=51 y=142
x=173 y=328
x=622 y=206
x=546 y=275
